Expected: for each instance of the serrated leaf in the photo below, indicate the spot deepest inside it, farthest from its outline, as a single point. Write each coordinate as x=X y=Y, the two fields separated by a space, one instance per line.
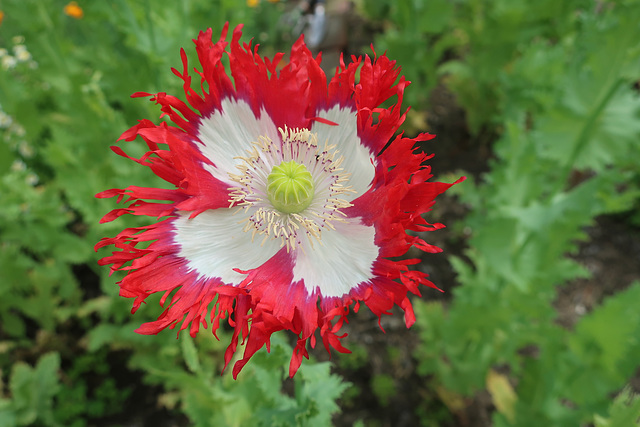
x=33 y=389
x=591 y=139
x=605 y=338
x=101 y=335
x=624 y=411
x=190 y=353
x=496 y=241
x=19 y=386
x=597 y=123
x=46 y=373
x=322 y=388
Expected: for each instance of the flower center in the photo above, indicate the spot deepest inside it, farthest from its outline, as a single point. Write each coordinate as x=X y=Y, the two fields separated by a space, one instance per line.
x=290 y=187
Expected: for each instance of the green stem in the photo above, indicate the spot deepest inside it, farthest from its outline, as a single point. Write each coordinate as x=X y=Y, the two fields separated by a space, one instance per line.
x=585 y=136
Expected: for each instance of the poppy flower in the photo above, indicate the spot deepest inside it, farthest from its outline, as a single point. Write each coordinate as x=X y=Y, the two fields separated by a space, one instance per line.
x=291 y=203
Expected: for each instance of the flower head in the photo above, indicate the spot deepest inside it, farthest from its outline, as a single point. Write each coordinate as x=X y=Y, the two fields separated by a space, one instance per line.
x=73 y=10
x=289 y=207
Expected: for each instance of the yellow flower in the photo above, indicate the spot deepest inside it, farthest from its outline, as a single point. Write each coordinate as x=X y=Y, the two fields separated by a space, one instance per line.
x=73 y=10
x=252 y=3
x=1 y=16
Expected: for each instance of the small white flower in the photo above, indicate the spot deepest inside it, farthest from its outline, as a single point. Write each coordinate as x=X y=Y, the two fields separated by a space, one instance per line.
x=18 y=166
x=21 y=53
x=8 y=62
x=25 y=149
x=17 y=129
x=5 y=120
x=31 y=179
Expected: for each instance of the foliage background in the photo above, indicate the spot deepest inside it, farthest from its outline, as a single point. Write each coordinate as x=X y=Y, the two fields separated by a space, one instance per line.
x=541 y=111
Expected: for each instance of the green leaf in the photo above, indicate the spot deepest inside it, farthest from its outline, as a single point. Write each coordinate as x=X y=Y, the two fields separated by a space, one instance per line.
x=33 y=390
x=596 y=123
x=190 y=353
x=624 y=411
x=7 y=414
x=595 y=135
x=496 y=240
x=323 y=389
x=101 y=335
x=608 y=339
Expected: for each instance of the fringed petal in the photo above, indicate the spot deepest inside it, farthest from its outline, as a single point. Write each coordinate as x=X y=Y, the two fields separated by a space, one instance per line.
x=190 y=253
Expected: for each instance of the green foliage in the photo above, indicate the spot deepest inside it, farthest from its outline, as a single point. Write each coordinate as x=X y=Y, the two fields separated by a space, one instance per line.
x=256 y=398
x=64 y=92
x=583 y=368
x=555 y=80
x=492 y=51
x=357 y=359
x=596 y=96
x=383 y=387
x=527 y=216
x=32 y=393
x=605 y=348
x=417 y=36
x=624 y=411
x=94 y=392
x=493 y=36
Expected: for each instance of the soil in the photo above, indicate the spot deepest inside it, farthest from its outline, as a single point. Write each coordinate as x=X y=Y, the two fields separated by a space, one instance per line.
x=611 y=255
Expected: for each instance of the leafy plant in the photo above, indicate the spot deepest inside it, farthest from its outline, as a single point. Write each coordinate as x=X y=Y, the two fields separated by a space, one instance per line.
x=64 y=86
x=32 y=393
x=526 y=217
x=556 y=81
x=254 y=399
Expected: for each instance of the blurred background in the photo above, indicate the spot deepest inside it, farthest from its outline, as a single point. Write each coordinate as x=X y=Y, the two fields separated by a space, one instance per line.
x=539 y=325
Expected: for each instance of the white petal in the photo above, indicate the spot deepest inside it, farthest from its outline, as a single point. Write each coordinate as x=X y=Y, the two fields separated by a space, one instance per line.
x=229 y=133
x=214 y=244
x=344 y=260
x=357 y=157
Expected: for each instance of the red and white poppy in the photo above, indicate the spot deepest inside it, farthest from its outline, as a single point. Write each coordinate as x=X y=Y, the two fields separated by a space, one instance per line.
x=291 y=204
